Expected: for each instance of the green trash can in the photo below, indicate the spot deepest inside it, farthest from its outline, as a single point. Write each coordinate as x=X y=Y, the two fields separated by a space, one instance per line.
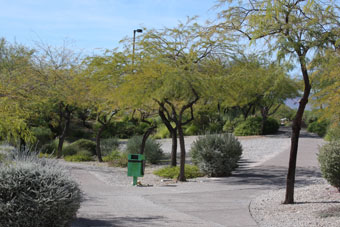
x=135 y=166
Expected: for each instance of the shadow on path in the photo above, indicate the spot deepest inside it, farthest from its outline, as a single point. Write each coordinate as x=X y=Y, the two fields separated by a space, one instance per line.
x=114 y=221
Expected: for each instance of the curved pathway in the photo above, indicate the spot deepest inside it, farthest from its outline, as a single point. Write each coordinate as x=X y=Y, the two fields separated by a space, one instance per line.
x=204 y=202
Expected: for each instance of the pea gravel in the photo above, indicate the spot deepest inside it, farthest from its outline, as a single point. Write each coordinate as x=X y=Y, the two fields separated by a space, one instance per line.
x=315 y=205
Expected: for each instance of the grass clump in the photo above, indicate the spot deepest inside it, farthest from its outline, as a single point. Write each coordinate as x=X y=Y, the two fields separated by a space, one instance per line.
x=191 y=171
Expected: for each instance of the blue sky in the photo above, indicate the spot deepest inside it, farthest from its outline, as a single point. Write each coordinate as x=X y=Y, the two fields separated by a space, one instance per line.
x=92 y=24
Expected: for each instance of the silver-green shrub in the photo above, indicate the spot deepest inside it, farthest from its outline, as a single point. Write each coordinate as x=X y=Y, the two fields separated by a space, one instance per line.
x=216 y=155
x=329 y=159
x=153 y=150
x=36 y=192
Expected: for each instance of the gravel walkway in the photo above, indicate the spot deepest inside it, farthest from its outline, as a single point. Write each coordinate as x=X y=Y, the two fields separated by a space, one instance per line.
x=316 y=205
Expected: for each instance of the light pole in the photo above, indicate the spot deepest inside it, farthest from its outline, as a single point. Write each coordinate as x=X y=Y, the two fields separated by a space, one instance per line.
x=133 y=44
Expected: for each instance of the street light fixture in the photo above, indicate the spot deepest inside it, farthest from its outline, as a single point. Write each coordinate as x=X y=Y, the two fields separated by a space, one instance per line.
x=133 y=44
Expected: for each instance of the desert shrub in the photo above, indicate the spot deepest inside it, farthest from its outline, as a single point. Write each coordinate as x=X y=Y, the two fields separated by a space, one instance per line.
x=153 y=150
x=50 y=147
x=191 y=171
x=36 y=192
x=216 y=155
x=80 y=156
x=333 y=133
x=70 y=149
x=318 y=127
x=116 y=159
x=85 y=144
x=271 y=126
x=108 y=145
x=329 y=159
x=42 y=134
x=251 y=126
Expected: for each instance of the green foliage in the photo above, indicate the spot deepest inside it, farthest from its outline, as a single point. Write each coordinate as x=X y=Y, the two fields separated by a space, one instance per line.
x=153 y=150
x=333 y=133
x=251 y=126
x=329 y=159
x=70 y=149
x=36 y=192
x=108 y=145
x=80 y=156
x=191 y=171
x=271 y=126
x=42 y=134
x=116 y=159
x=216 y=155
x=85 y=144
x=318 y=127
x=192 y=130
x=230 y=125
x=50 y=147
x=161 y=133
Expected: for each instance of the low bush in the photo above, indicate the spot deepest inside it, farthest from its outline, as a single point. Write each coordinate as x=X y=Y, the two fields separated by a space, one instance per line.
x=153 y=150
x=36 y=192
x=318 y=127
x=108 y=145
x=70 y=149
x=80 y=156
x=192 y=130
x=216 y=155
x=116 y=159
x=191 y=171
x=42 y=134
x=85 y=144
x=333 y=133
x=329 y=159
x=271 y=126
x=251 y=126
x=50 y=147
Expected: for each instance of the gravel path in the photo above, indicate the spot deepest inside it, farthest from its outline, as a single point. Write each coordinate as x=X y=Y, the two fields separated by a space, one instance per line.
x=317 y=205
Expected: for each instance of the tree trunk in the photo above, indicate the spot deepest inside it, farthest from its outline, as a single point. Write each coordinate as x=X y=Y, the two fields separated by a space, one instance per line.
x=22 y=145
x=145 y=137
x=174 y=148
x=296 y=127
x=264 y=114
x=63 y=135
x=98 y=150
x=181 y=176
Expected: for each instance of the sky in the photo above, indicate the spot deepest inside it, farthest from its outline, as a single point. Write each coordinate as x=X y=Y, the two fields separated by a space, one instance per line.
x=92 y=25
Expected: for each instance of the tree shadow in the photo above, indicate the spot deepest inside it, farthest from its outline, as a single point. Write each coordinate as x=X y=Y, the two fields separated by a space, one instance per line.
x=270 y=176
x=115 y=221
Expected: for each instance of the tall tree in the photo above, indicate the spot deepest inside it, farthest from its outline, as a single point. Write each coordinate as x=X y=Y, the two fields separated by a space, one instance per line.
x=296 y=28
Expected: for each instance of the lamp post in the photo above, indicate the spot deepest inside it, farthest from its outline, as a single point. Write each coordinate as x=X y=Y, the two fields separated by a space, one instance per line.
x=133 y=44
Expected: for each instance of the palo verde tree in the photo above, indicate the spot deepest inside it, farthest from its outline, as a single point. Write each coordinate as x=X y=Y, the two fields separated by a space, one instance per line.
x=295 y=28
x=57 y=68
x=103 y=76
x=171 y=73
x=18 y=89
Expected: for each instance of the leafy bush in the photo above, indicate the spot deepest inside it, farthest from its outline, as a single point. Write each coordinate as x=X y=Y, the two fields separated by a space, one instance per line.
x=271 y=126
x=42 y=134
x=116 y=159
x=108 y=145
x=85 y=144
x=80 y=156
x=192 y=130
x=333 y=133
x=162 y=132
x=251 y=126
x=50 y=147
x=216 y=155
x=191 y=171
x=36 y=192
x=318 y=127
x=329 y=159
x=153 y=151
